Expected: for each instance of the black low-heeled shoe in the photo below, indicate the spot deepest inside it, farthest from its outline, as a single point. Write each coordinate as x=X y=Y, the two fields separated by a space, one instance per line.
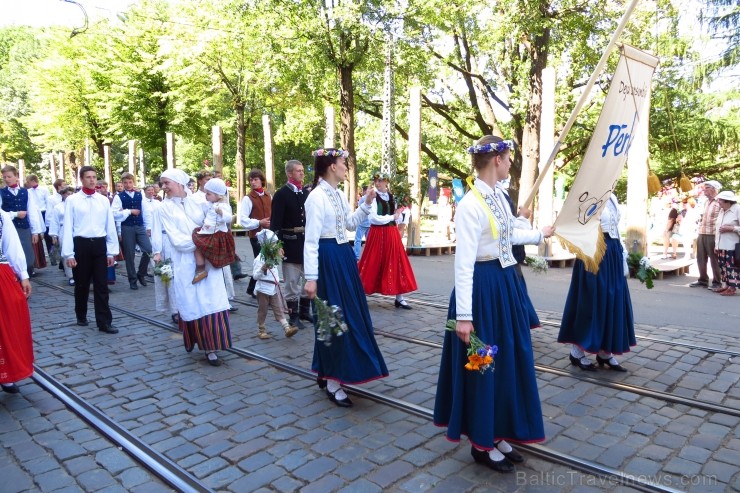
x=10 y=388
x=321 y=383
x=577 y=362
x=513 y=456
x=405 y=306
x=339 y=402
x=482 y=457
x=606 y=361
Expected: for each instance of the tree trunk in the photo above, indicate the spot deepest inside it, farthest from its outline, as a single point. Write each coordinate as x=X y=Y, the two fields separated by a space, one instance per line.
x=347 y=128
x=531 y=132
x=241 y=131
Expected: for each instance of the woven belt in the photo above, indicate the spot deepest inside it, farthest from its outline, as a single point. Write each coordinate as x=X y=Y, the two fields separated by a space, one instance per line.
x=298 y=229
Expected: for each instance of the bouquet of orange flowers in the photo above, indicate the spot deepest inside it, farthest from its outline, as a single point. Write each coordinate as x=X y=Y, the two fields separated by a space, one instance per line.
x=480 y=355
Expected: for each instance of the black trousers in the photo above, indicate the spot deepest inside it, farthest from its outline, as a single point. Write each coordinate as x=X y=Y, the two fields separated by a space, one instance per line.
x=92 y=263
x=132 y=236
x=256 y=250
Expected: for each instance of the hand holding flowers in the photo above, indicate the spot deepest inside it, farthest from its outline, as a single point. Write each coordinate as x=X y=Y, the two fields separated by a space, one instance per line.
x=163 y=269
x=480 y=355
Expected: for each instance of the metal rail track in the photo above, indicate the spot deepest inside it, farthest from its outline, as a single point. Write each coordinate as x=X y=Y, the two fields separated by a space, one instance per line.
x=551 y=323
x=635 y=389
x=168 y=471
x=638 y=482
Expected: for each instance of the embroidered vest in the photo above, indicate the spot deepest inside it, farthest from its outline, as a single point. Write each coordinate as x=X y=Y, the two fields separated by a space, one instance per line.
x=261 y=209
x=131 y=203
x=16 y=203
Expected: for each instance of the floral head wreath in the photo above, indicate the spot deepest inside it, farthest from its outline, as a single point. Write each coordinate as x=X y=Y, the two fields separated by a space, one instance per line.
x=492 y=147
x=379 y=175
x=330 y=153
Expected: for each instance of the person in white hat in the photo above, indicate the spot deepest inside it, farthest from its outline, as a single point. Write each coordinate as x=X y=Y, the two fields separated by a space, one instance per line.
x=727 y=236
x=203 y=308
x=705 y=240
x=212 y=240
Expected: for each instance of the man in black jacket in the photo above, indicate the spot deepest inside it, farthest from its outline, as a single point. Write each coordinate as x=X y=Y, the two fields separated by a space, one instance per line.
x=288 y=221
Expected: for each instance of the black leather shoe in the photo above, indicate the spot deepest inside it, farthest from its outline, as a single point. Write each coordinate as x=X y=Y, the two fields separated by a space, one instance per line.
x=341 y=403
x=233 y=309
x=108 y=329
x=133 y=285
x=214 y=362
x=513 y=456
x=10 y=388
x=240 y=276
x=405 y=306
x=82 y=322
x=606 y=361
x=698 y=284
x=321 y=383
x=176 y=319
x=577 y=362
x=142 y=280
x=482 y=457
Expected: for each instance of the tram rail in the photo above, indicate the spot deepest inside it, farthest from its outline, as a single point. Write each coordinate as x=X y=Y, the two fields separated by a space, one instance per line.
x=637 y=482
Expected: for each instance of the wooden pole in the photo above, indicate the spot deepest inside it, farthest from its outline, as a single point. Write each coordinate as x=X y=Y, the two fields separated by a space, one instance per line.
x=414 y=164
x=269 y=154
x=60 y=173
x=22 y=171
x=330 y=128
x=170 y=150
x=584 y=96
x=545 y=212
x=217 y=143
x=132 y=158
x=52 y=167
x=142 y=169
x=107 y=166
x=637 y=191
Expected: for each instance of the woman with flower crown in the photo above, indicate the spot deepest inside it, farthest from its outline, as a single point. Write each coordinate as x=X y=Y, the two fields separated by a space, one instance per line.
x=490 y=408
x=331 y=274
x=384 y=266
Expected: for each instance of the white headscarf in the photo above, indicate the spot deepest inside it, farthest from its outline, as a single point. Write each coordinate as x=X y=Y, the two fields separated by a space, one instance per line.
x=177 y=175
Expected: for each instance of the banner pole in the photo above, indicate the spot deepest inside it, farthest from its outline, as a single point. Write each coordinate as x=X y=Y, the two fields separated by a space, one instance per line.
x=581 y=101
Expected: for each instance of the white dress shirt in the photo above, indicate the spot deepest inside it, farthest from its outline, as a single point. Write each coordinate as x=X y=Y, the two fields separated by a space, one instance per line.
x=40 y=195
x=88 y=216
x=120 y=214
x=55 y=216
x=475 y=239
x=12 y=251
x=327 y=216
x=53 y=200
x=33 y=213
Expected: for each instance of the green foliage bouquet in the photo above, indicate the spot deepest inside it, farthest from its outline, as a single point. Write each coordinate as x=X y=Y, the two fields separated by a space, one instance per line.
x=402 y=194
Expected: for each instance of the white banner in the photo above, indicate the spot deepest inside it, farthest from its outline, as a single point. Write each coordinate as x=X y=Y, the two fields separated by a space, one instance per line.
x=626 y=103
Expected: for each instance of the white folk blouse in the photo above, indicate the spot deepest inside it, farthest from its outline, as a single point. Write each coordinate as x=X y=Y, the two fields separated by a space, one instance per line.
x=327 y=216
x=475 y=240
x=11 y=251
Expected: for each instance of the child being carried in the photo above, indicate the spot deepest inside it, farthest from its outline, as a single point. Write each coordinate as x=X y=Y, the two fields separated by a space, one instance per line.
x=213 y=241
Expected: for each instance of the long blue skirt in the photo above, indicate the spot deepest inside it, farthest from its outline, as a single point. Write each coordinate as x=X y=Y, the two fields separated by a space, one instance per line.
x=598 y=311
x=505 y=404
x=354 y=357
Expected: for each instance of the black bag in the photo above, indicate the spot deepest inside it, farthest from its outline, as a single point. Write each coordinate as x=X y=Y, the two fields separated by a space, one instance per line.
x=737 y=255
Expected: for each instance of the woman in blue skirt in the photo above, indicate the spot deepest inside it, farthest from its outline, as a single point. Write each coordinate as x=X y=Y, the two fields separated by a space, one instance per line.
x=331 y=274
x=490 y=408
x=598 y=311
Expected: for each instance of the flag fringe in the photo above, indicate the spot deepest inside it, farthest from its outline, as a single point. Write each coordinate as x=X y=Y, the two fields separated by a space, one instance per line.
x=590 y=263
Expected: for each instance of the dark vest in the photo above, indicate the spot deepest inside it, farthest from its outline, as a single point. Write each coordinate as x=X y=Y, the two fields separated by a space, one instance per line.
x=16 y=203
x=131 y=203
x=386 y=208
x=287 y=213
x=261 y=208
x=517 y=250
